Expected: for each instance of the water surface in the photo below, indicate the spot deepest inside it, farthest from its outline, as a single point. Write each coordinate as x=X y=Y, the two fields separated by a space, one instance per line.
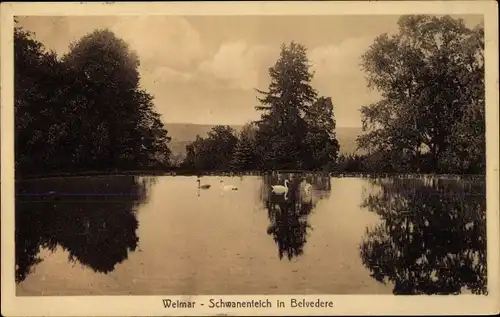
x=121 y=235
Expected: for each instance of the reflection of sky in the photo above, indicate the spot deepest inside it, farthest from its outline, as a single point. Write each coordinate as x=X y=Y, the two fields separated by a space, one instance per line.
x=217 y=243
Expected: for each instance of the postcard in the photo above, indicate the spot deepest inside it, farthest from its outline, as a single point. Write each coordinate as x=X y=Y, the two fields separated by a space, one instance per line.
x=250 y=158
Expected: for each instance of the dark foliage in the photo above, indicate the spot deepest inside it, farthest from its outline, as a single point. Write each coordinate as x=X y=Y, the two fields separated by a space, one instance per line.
x=97 y=232
x=289 y=214
x=432 y=239
x=431 y=118
x=296 y=130
x=84 y=111
x=431 y=115
x=213 y=153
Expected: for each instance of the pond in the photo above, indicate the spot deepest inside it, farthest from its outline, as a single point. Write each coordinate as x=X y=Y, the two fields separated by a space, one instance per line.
x=122 y=235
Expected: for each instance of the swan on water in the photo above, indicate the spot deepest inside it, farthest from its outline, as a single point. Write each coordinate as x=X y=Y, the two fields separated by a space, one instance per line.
x=307 y=187
x=227 y=187
x=204 y=186
x=280 y=189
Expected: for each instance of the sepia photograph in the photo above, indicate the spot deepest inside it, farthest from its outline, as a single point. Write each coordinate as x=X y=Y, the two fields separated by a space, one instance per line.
x=224 y=161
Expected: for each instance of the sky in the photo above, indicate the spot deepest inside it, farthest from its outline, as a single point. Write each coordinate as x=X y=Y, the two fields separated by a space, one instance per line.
x=205 y=69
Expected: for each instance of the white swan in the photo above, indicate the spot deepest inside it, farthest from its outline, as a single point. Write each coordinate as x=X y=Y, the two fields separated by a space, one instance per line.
x=227 y=187
x=306 y=192
x=307 y=187
x=280 y=189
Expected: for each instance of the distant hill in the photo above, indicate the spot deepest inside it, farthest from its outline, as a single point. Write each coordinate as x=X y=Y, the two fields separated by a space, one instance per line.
x=184 y=133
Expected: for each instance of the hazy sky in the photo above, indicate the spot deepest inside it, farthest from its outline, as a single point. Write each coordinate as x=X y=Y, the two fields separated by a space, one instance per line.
x=204 y=69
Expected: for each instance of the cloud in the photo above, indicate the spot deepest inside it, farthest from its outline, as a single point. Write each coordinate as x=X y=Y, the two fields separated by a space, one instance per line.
x=169 y=48
x=341 y=59
x=167 y=75
x=162 y=41
x=338 y=67
x=158 y=40
x=196 y=75
x=338 y=75
x=237 y=64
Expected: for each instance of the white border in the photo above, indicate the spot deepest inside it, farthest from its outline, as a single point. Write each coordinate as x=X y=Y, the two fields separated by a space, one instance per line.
x=344 y=304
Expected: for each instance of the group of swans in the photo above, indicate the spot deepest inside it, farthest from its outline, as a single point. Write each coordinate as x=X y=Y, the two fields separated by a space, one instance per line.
x=223 y=187
x=275 y=189
x=283 y=189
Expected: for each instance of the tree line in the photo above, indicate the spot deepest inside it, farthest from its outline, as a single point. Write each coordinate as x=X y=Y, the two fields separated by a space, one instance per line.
x=86 y=110
x=430 y=119
x=296 y=129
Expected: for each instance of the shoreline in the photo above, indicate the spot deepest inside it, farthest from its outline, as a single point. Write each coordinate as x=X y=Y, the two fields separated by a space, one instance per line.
x=239 y=174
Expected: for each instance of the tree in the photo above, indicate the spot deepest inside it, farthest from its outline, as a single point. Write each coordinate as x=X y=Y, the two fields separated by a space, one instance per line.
x=282 y=127
x=38 y=105
x=221 y=143
x=427 y=226
x=350 y=163
x=289 y=215
x=245 y=157
x=98 y=235
x=320 y=142
x=213 y=152
x=467 y=150
x=195 y=155
x=424 y=74
x=121 y=128
x=84 y=111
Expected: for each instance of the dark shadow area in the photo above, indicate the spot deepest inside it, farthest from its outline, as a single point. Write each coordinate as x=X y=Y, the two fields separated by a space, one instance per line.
x=432 y=239
x=93 y=219
x=289 y=213
x=83 y=111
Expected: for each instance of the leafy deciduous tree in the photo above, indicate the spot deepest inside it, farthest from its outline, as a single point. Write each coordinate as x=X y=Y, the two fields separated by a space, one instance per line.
x=430 y=76
x=214 y=152
x=321 y=143
x=85 y=111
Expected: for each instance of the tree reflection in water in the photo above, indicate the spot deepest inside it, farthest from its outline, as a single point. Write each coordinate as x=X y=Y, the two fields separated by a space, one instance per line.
x=288 y=215
x=432 y=239
x=94 y=220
